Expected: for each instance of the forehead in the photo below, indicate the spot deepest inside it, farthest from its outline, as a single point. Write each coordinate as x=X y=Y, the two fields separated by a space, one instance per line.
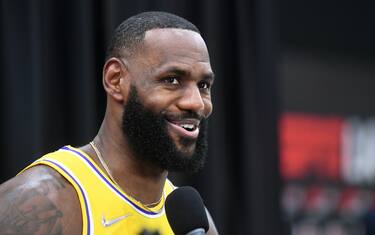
x=179 y=46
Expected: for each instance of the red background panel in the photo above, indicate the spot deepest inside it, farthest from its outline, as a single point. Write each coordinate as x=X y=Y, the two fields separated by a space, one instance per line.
x=310 y=146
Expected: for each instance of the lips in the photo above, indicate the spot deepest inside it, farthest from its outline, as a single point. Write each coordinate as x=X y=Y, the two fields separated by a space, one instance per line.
x=188 y=128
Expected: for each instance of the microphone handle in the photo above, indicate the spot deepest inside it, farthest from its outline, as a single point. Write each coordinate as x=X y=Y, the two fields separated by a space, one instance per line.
x=198 y=231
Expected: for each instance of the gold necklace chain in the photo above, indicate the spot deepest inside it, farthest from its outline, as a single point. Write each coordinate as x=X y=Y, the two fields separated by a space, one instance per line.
x=104 y=164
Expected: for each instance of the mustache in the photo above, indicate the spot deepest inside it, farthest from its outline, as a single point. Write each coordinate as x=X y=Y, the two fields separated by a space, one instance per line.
x=183 y=115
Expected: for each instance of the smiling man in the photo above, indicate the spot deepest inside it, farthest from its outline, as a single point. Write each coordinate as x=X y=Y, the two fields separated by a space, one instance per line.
x=158 y=79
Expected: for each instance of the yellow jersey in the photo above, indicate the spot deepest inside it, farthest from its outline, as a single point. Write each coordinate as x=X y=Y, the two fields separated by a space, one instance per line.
x=106 y=209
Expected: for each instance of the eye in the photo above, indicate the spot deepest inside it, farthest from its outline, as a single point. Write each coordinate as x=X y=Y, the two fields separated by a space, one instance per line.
x=171 y=80
x=204 y=85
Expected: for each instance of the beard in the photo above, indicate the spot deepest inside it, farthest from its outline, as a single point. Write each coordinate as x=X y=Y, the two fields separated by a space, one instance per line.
x=148 y=138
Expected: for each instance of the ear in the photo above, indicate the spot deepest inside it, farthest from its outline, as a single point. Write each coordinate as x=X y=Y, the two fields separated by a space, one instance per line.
x=115 y=79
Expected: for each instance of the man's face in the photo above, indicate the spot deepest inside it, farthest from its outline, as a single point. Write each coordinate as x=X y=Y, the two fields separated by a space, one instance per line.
x=171 y=79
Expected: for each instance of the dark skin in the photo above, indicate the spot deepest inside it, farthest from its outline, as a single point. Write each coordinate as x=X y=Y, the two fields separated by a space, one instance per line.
x=172 y=73
x=39 y=201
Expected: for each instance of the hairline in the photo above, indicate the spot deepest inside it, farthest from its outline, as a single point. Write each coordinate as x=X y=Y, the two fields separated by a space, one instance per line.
x=138 y=45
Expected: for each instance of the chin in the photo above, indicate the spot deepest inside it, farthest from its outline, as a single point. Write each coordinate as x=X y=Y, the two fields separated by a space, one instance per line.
x=186 y=145
x=187 y=152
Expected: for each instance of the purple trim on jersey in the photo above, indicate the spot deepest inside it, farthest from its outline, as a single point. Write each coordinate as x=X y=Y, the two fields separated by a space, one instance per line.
x=80 y=188
x=109 y=184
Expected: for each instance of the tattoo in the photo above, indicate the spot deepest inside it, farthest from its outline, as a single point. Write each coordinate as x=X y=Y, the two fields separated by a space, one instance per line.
x=28 y=210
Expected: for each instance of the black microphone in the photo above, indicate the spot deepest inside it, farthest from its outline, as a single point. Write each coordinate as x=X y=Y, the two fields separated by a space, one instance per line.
x=185 y=212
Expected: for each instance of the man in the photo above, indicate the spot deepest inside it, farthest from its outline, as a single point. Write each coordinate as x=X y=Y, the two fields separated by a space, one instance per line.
x=157 y=77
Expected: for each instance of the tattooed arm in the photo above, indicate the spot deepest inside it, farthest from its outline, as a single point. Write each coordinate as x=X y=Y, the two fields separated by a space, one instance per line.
x=39 y=202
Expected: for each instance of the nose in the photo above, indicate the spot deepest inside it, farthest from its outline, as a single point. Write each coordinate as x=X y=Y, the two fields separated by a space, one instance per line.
x=191 y=100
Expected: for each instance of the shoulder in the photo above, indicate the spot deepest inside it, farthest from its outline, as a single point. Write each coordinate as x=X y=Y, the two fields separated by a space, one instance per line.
x=39 y=201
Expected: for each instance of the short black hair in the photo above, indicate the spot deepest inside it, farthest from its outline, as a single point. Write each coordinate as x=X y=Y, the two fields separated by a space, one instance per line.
x=130 y=33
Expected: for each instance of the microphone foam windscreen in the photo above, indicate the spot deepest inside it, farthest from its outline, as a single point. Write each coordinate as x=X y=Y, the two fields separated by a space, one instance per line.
x=185 y=211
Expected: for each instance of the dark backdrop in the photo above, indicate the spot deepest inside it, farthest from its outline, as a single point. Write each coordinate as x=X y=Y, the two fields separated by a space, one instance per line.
x=51 y=56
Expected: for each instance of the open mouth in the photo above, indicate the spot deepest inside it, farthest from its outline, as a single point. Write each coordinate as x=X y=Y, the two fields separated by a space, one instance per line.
x=188 y=128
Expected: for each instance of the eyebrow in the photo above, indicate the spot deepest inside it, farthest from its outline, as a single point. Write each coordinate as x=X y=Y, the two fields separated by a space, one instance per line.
x=210 y=76
x=177 y=71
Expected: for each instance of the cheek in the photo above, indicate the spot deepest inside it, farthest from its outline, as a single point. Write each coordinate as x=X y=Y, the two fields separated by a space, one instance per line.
x=156 y=101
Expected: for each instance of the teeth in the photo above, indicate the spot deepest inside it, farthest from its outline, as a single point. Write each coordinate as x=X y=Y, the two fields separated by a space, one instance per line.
x=188 y=126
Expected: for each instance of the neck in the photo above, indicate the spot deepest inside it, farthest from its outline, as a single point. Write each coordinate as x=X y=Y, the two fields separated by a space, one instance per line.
x=141 y=181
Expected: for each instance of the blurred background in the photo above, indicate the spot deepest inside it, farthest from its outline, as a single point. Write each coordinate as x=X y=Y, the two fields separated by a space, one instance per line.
x=293 y=130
